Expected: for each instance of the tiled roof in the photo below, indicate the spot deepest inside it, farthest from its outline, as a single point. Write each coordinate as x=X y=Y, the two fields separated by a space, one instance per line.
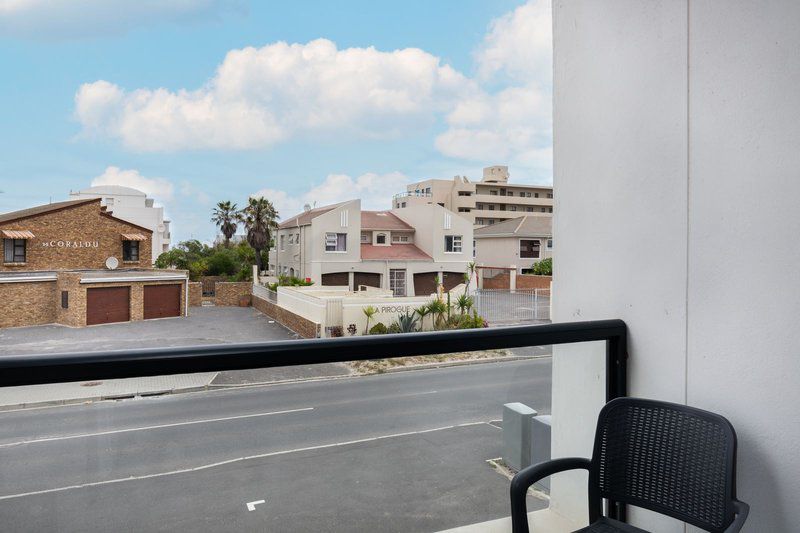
x=376 y=220
x=305 y=218
x=525 y=226
x=42 y=209
x=394 y=252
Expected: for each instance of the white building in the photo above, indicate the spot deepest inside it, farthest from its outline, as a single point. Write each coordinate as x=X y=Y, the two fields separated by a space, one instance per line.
x=403 y=250
x=518 y=241
x=489 y=201
x=134 y=206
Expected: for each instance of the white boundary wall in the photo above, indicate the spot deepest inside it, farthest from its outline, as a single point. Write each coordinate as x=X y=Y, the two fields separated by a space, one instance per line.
x=682 y=119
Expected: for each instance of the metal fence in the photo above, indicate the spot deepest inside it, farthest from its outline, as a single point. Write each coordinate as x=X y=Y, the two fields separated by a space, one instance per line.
x=499 y=306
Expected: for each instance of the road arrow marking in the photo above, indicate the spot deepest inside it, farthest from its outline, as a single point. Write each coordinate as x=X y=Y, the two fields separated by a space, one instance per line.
x=251 y=506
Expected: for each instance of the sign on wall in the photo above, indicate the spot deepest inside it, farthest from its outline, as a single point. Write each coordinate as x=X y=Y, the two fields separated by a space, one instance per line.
x=70 y=244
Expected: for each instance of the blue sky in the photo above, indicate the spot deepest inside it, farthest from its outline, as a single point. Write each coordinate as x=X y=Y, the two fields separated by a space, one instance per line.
x=197 y=101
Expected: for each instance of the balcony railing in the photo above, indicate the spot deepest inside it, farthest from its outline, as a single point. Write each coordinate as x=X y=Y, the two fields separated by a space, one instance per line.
x=17 y=370
x=406 y=194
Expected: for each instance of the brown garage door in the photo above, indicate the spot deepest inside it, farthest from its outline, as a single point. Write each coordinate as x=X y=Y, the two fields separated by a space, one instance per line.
x=108 y=304
x=336 y=278
x=161 y=301
x=425 y=282
x=451 y=279
x=366 y=278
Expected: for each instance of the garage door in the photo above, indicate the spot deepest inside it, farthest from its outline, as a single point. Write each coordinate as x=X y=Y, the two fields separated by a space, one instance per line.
x=161 y=301
x=108 y=304
x=336 y=278
x=366 y=278
x=425 y=282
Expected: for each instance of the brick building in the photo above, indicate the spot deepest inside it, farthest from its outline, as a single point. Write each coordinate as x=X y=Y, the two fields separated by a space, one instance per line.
x=75 y=263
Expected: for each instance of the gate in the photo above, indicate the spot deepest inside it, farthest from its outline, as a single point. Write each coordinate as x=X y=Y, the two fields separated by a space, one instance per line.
x=333 y=317
x=513 y=307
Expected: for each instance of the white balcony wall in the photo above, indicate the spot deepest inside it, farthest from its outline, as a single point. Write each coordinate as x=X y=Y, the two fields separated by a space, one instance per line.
x=666 y=113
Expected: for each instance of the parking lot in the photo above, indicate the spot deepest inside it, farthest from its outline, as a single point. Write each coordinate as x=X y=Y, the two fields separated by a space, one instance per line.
x=204 y=325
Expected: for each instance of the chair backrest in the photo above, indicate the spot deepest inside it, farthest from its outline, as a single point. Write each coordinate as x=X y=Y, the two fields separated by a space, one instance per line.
x=669 y=458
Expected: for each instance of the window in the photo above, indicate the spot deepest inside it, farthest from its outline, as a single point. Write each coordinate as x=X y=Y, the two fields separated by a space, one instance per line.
x=493 y=193
x=283 y=244
x=399 y=238
x=297 y=238
x=511 y=193
x=291 y=238
x=14 y=250
x=529 y=209
x=536 y=195
x=491 y=207
x=130 y=250
x=543 y=210
x=464 y=209
x=403 y=204
x=529 y=248
x=64 y=299
x=336 y=242
x=452 y=244
x=527 y=195
x=549 y=244
x=380 y=239
x=549 y=195
x=513 y=208
x=474 y=248
x=427 y=190
x=464 y=193
x=478 y=206
x=549 y=209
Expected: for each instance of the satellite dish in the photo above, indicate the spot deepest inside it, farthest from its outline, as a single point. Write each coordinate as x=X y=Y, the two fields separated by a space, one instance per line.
x=112 y=263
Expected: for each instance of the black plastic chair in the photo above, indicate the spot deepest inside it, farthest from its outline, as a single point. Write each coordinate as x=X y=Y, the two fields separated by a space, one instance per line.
x=672 y=459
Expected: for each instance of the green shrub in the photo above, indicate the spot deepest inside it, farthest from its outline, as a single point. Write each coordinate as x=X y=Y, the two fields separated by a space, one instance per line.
x=543 y=267
x=394 y=327
x=223 y=262
x=378 y=329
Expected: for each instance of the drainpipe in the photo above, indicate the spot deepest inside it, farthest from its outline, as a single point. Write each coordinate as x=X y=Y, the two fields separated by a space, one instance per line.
x=186 y=296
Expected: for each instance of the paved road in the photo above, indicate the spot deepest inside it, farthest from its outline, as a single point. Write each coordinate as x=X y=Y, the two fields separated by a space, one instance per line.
x=393 y=452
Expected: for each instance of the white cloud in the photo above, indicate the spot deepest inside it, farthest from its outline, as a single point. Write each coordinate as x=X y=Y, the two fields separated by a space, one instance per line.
x=519 y=44
x=69 y=19
x=512 y=125
x=260 y=96
x=374 y=190
x=160 y=189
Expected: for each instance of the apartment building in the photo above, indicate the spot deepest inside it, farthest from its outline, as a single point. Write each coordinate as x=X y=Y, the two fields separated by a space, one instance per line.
x=404 y=250
x=76 y=264
x=134 y=206
x=489 y=201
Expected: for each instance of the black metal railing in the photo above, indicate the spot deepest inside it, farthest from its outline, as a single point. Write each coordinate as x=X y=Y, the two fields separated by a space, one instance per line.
x=18 y=370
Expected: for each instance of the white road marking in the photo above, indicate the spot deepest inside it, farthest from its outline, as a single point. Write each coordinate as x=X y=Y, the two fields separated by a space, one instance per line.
x=147 y=428
x=251 y=506
x=236 y=460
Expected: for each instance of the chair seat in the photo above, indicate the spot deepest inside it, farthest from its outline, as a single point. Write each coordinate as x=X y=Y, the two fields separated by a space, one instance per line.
x=609 y=525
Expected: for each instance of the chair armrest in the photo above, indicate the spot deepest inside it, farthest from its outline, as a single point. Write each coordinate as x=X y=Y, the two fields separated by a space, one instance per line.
x=742 y=510
x=528 y=476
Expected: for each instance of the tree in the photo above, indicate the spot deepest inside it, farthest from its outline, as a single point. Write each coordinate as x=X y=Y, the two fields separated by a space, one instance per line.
x=543 y=267
x=260 y=219
x=226 y=217
x=422 y=311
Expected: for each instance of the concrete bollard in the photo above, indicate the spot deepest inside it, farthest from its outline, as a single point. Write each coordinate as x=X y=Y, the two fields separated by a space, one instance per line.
x=540 y=446
x=517 y=435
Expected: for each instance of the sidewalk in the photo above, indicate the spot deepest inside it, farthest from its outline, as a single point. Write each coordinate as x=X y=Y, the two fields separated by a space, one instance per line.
x=85 y=391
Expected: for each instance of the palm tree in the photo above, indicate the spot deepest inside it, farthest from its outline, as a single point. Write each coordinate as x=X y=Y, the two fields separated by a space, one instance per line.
x=422 y=311
x=369 y=312
x=226 y=217
x=437 y=309
x=260 y=219
x=464 y=303
x=468 y=275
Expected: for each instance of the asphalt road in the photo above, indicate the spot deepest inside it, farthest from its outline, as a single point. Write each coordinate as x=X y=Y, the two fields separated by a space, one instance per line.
x=392 y=452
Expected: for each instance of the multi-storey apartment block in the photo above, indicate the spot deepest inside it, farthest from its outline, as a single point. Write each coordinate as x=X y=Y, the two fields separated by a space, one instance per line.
x=489 y=201
x=404 y=250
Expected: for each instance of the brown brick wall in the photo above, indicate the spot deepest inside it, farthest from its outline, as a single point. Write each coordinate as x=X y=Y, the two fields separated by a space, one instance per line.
x=229 y=292
x=524 y=281
x=195 y=294
x=302 y=326
x=27 y=304
x=530 y=281
x=77 y=237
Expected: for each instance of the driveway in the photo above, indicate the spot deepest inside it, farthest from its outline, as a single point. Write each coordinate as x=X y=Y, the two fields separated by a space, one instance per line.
x=204 y=325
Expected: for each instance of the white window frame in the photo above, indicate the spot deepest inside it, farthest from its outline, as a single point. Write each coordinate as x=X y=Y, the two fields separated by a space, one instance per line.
x=334 y=242
x=456 y=242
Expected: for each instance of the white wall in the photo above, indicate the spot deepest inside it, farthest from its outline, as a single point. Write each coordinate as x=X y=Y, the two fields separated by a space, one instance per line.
x=683 y=121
